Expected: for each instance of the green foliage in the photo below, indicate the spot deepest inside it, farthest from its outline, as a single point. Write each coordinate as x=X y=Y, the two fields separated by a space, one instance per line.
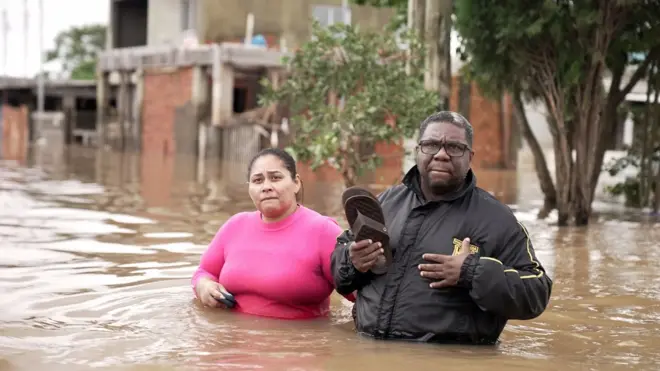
x=76 y=50
x=555 y=51
x=643 y=157
x=508 y=44
x=368 y=70
x=632 y=188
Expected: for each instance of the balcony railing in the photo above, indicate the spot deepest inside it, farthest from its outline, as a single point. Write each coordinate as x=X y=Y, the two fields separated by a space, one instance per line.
x=238 y=55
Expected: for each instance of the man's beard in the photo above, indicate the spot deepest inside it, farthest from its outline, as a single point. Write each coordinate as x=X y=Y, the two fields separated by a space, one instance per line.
x=443 y=188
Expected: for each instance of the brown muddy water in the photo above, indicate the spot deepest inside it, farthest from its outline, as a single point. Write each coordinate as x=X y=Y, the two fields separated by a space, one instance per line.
x=97 y=249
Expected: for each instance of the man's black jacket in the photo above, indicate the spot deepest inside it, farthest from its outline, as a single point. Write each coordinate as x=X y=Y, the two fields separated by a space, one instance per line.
x=500 y=280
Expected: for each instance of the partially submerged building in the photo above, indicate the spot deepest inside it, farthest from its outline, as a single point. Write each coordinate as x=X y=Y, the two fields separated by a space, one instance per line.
x=187 y=72
x=70 y=112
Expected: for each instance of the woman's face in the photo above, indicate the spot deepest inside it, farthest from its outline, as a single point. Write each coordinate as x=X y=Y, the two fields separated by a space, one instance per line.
x=271 y=187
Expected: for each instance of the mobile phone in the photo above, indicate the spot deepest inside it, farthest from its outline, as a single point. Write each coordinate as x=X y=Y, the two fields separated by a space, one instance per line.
x=227 y=299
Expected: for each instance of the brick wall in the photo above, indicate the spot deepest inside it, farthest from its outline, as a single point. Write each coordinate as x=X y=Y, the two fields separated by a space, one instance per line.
x=492 y=121
x=168 y=90
x=165 y=90
x=390 y=171
x=493 y=141
x=14 y=136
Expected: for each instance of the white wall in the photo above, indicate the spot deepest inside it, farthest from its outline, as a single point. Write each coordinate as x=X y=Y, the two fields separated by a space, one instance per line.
x=165 y=24
x=536 y=115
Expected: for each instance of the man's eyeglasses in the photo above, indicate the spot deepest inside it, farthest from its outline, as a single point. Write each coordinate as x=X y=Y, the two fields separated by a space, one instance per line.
x=453 y=149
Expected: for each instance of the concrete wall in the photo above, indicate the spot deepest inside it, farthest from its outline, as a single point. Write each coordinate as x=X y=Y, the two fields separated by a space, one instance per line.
x=536 y=115
x=128 y=21
x=226 y=19
x=213 y=20
x=166 y=21
x=149 y=22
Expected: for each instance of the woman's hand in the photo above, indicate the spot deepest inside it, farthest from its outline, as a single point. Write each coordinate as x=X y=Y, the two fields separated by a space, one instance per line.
x=210 y=292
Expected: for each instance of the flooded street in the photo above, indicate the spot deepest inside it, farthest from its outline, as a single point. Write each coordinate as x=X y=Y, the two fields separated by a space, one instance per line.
x=97 y=250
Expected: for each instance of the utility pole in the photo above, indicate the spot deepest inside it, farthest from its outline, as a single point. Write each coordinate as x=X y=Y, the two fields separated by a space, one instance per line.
x=346 y=11
x=5 y=39
x=416 y=23
x=437 y=36
x=40 y=77
x=26 y=27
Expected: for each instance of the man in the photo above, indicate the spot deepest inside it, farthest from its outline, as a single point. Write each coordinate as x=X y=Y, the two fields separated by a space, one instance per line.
x=462 y=266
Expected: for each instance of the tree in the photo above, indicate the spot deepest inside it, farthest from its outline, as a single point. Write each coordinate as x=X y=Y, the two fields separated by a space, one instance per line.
x=558 y=52
x=348 y=89
x=431 y=20
x=643 y=189
x=76 y=50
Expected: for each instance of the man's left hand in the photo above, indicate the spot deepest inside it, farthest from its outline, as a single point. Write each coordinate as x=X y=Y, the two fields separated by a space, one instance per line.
x=445 y=270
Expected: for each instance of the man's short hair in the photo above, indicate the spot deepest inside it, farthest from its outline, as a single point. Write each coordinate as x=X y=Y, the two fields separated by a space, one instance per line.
x=452 y=118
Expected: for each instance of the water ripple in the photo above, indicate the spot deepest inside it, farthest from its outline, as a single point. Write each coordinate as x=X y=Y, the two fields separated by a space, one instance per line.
x=95 y=265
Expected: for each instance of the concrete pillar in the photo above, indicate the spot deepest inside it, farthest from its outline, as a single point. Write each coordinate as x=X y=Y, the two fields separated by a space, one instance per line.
x=123 y=108
x=102 y=101
x=136 y=119
x=223 y=89
x=200 y=100
x=69 y=111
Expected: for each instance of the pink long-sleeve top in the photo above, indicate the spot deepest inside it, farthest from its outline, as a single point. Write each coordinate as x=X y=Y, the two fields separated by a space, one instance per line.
x=279 y=269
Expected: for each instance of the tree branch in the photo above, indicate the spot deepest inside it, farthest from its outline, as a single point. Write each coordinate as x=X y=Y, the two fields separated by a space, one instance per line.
x=653 y=54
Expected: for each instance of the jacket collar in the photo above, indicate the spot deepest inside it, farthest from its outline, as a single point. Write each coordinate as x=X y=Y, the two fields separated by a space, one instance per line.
x=412 y=181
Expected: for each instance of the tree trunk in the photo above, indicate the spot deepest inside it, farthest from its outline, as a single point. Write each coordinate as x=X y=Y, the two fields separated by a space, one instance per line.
x=561 y=131
x=349 y=178
x=431 y=39
x=654 y=179
x=348 y=172
x=564 y=176
x=418 y=16
x=656 y=204
x=542 y=171
x=444 y=52
x=616 y=95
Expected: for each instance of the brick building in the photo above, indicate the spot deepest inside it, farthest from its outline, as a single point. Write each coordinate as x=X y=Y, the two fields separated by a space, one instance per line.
x=164 y=120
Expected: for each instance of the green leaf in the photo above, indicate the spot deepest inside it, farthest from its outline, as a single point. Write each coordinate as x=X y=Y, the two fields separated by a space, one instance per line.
x=367 y=69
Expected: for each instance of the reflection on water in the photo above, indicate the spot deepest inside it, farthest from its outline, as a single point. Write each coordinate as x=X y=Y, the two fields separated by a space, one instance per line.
x=96 y=251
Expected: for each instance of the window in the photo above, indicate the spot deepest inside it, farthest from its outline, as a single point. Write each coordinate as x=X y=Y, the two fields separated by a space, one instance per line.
x=188 y=14
x=328 y=15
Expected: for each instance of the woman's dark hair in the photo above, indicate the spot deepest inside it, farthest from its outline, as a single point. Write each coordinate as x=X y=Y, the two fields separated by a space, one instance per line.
x=287 y=160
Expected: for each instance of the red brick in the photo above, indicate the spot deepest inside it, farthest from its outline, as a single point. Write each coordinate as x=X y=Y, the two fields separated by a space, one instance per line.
x=165 y=90
x=14 y=132
x=492 y=129
x=390 y=171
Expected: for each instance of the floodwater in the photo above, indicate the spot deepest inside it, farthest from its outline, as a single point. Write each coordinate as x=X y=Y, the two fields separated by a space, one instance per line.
x=97 y=248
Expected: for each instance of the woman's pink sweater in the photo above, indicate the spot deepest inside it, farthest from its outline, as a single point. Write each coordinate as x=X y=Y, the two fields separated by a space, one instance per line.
x=279 y=269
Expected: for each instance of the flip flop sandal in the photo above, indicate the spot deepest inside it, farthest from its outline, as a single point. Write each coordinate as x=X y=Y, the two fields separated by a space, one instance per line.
x=366 y=220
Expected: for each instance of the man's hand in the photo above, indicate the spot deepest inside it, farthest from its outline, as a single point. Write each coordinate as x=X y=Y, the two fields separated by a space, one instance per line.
x=364 y=254
x=445 y=270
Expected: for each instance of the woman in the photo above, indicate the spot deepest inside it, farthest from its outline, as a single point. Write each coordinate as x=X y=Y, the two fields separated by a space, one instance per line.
x=274 y=261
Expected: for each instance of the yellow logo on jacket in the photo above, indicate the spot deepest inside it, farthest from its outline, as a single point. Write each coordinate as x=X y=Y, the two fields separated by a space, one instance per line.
x=474 y=249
